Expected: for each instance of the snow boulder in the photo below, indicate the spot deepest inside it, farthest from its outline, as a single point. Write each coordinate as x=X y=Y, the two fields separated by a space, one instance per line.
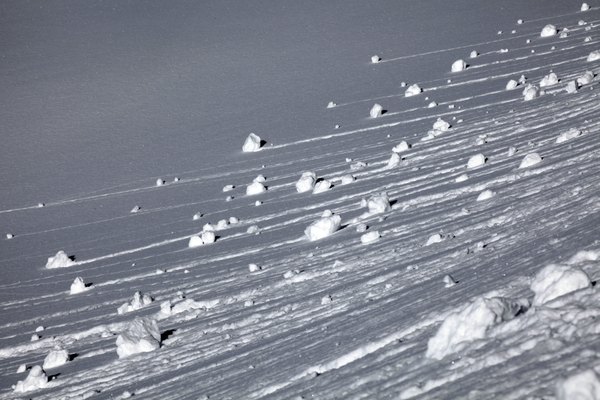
x=255 y=188
x=375 y=59
x=583 y=385
x=549 y=80
x=554 y=281
x=530 y=92
x=586 y=78
x=323 y=227
x=322 y=186
x=435 y=238
x=253 y=143
x=401 y=147
x=394 y=161
x=306 y=183
x=370 y=237
x=458 y=65
x=549 y=30
x=471 y=323
x=476 y=161
x=376 y=110
x=78 y=286
x=512 y=84
x=594 y=56
x=56 y=358
x=36 y=379
x=413 y=90
x=141 y=336
x=530 y=160
x=138 y=301
x=379 y=204
x=60 y=260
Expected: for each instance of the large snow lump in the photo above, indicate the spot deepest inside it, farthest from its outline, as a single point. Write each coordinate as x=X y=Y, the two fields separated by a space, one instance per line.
x=323 y=227
x=141 y=336
x=554 y=281
x=252 y=143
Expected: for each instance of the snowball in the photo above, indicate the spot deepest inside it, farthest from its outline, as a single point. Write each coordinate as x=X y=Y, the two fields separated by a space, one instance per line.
x=375 y=59
x=530 y=93
x=255 y=188
x=322 y=186
x=594 y=56
x=400 y=147
x=586 y=78
x=379 y=204
x=485 y=195
x=208 y=227
x=441 y=125
x=476 y=161
x=331 y=104
x=252 y=143
x=474 y=54
x=583 y=385
x=530 y=160
x=78 y=286
x=512 y=84
x=370 y=237
x=257 y=203
x=435 y=238
x=138 y=301
x=360 y=228
x=346 y=179
x=568 y=135
x=584 y=7
x=394 y=161
x=141 y=336
x=323 y=227
x=557 y=280
x=549 y=30
x=412 y=90
x=160 y=182
x=60 y=260
x=36 y=379
x=471 y=323
x=56 y=358
x=40 y=328
x=549 y=80
x=376 y=110
x=458 y=65
x=461 y=178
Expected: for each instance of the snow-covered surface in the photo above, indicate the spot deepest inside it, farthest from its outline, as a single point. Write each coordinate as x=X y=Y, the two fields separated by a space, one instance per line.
x=449 y=298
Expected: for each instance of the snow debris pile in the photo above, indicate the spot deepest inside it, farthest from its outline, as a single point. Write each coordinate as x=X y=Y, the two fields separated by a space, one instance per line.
x=56 y=358
x=476 y=161
x=36 y=379
x=568 y=135
x=594 y=56
x=78 y=286
x=583 y=385
x=370 y=237
x=549 y=30
x=306 y=183
x=530 y=160
x=376 y=110
x=401 y=147
x=60 y=260
x=138 y=301
x=378 y=204
x=324 y=226
x=252 y=143
x=471 y=323
x=458 y=65
x=413 y=90
x=549 y=80
x=554 y=281
x=141 y=336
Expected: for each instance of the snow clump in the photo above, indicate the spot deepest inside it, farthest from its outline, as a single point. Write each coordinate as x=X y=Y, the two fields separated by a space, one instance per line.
x=375 y=59
x=141 y=336
x=138 y=301
x=252 y=143
x=530 y=92
x=306 y=182
x=471 y=323
x=370 y=237
x=568 y=135
x=584 y=7
x=580 y=386
x=512 y=84
x=549 y=80
x=401 y=147
x=346 y=179
x=458 y=65
x=474 y=54
x=331 y=104
x=376 y=110
x=476 y=161
x=435 y=238
x=379 y=204
x=586 y=78
x=56 y=358
x=322 y=186
x=323 y=227
x=78 y=286
x=594 y=56
x=160 y=182
x=549 y=30
x=60 y=260
x=554 y=281
x=36 y=379
x=530 y=160
x=461 y=178
x=394 y=161
x=485 y=195
x=413 y=90
x=255 y=188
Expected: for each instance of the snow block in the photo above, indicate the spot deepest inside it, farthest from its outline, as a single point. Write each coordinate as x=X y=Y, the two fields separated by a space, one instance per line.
x=586 y=78
x=375 y=59
x=471 y=323
x=530 y=160
x=583 y=385
x=376 y=110
x=548 y=30
x=56 y=358
x=435 y=238
x=252 y=143
x=255 y=188
x=141 y=336
x=36 y=379
x=474 y=54
x=554 y=281
x=458 y=65
x=441 y=125
x=306 y=183
x=78 y=286
x=379 y=204
x=413 y=90
x=323 y=227
x=60 y=260
x=476 y=161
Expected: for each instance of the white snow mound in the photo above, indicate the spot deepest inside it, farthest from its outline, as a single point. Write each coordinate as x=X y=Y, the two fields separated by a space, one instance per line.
x=549 y=80
x=56 y=358
x=252 y=143
x=370 y=237
x=306 y=183
x=584 y=385
x=530 y=160
x=568 y=135
x=78 y=286
x=435 y=238
x=322 y=186
x=36 y=379
x=485 y=195
x=476 y=161
x=530 y=92
x=60 y=260
x=458 y=65
x=138 y=301
x=594 y=56
x=394 y=161
x=441 y=125
x=549 y=30
x=512 y=84
x=413 y=90
x=375 y=59
x=557 y=280
x=323 y=227
x=255 y=188
x=379 y=203
x=376 y=110
x=471 y=323
x=401 y=147
x=586 y=78
x=141 y=336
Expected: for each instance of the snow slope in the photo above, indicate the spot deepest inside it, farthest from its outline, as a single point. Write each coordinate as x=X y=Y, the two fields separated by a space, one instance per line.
x=355 y=308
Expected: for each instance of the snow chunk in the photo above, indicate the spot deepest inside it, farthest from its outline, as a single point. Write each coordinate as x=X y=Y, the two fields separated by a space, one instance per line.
x=580 y=386
x=138 y=301
x=400 y=147
x=530 y=160
x=476 y=161
x=471 y=323
x=474 y=54
x=60 y=260
x=441 y=125
x=485 y=195
x=331 y=104
x=549 y=80
x=435 y=238
x=252 y=143
x=568 y=135
x=449 y=281
x=78 y=286
x=160 y=182
x=323 y=227
x=594 y=56
x=458 y=65
x=254 y=268
x=586 y=78
x=549 y=30
x=22 y=368
x=557 y=280
x=572 y=87
x=255 y=188
x=228 y=188
x=461 y=178
x=512 y=84
x=379 y=203
x=370 y=237
x=530 y=92
x=141 y=336
x=375 y=59
x=10 y=236
x=135 y=209
x=36 y=379
x=346 y=179
x=413 y=90
x=584 y=7
x=322 y=186
x=197 y=216
x=394 y=161
x=56 y=358
x=376 y=110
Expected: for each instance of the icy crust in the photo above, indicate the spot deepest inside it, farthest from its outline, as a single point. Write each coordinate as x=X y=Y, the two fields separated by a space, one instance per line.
x=323 y=227
x=555 y=281
x=141 y=336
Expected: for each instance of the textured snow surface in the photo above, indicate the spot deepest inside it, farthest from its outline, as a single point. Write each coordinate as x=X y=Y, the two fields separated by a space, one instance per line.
x=412 y=271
